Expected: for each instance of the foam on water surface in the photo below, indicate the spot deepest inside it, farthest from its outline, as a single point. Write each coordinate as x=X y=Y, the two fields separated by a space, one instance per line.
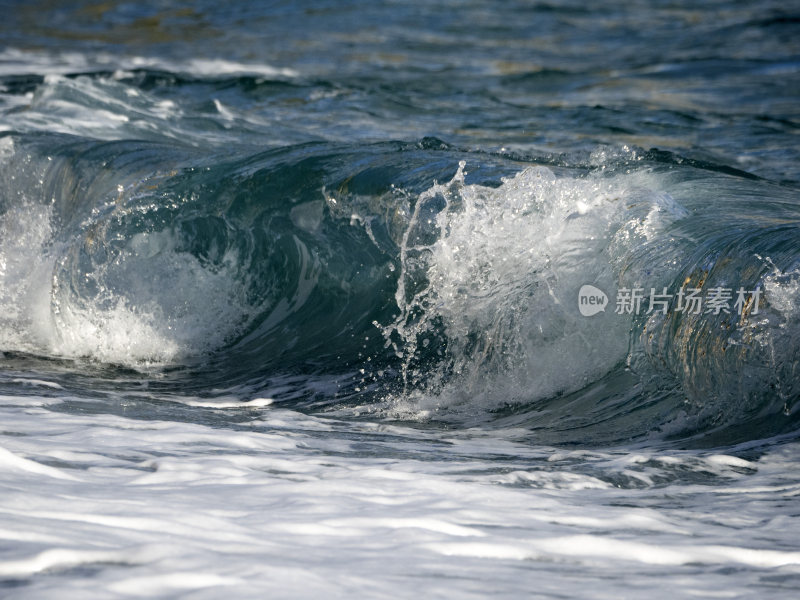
x=153 y=508
x=502 y=269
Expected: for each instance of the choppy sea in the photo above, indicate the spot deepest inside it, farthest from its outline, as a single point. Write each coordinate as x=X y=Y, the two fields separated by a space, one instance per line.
x=385 y=299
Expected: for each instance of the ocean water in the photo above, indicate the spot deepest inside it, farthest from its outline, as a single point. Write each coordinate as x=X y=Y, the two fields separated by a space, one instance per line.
x=400 y=299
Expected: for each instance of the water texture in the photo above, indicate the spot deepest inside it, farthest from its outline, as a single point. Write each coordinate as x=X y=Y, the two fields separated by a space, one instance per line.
x=295 y=300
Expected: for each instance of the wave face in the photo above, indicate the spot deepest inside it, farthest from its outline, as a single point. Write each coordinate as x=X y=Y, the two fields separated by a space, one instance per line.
x=453 y=301
x=148 y=257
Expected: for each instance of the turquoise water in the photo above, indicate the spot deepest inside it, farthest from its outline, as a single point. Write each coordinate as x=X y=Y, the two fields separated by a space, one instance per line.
x=291 y=299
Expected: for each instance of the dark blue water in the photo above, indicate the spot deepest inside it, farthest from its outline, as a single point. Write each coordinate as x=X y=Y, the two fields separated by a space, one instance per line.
x=384 y=214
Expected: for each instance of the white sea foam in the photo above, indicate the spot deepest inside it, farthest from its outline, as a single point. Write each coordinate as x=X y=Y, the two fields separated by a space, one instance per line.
x=166 y=304
x=14 y=61
x=155 y=303
x=783 y=291
x=25 y=271
x=228 y=403
x=503 y=267
x=74 y=100
x=285 y=506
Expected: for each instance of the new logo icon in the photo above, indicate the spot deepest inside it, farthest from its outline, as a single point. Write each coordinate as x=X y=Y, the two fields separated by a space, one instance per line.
x=591 y=300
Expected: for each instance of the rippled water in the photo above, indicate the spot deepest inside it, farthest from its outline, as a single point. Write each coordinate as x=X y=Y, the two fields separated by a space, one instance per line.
x=290 y=300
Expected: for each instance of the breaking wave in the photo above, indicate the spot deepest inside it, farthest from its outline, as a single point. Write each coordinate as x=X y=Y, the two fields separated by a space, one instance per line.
x=424 y=281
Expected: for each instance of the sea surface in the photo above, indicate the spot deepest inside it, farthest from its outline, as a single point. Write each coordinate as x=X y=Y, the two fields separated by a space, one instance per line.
x=386 y=299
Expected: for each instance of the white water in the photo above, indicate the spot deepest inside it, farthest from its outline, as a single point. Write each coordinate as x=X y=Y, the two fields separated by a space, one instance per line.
x=289 y=506
x=503 y=267
x=153 y=303
x=139 y=301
